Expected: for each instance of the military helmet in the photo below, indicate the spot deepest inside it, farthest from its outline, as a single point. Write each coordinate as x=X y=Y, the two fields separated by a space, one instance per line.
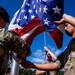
x=4 y=14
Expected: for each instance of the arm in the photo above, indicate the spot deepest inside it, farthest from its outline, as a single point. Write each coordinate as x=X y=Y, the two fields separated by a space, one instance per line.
x=11 y=41
x=44 y=67
x=49 y=52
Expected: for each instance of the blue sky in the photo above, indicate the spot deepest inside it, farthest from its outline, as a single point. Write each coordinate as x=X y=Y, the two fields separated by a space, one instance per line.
x=38 y=53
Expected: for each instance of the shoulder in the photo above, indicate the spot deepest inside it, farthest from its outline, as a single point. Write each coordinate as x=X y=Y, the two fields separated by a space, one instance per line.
x=72 y=41
x=13 y=32
x=71 y=45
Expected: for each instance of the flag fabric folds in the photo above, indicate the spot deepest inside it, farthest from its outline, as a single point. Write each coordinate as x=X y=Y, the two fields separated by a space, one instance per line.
x=37 y=16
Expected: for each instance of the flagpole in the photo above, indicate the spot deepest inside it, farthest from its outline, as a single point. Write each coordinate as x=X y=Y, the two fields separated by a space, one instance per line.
x=47 y=73
x=44 y=39
x=14 y=66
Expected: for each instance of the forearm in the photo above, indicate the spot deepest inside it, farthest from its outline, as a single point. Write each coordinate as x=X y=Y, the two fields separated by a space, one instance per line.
x=69 y=19
x=46 y=67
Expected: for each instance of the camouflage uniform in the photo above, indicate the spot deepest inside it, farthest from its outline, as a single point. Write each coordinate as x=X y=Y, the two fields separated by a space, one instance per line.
x=10 y=41
x=67 y=59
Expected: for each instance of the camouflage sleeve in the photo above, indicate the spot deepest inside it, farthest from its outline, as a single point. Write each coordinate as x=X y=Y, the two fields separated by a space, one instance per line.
x=11 y=41
x=63 y=58
x=60 y=60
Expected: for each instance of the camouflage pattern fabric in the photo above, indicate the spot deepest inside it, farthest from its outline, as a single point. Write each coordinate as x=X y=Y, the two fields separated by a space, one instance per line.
x=10 y=41
x=3 y=63
x=67 y=59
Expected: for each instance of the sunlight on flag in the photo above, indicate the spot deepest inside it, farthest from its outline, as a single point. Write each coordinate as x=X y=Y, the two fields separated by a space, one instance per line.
x=37 y=16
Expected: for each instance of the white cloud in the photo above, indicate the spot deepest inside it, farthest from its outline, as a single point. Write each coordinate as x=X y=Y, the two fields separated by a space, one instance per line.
x=51 y=48
x=39 y=53
x=54 y=50
x=38 y=56
x=38 y=60
x=57 y=52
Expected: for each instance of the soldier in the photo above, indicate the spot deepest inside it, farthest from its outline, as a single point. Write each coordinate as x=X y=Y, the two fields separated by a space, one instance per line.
x=66 y=59
x=10 y=41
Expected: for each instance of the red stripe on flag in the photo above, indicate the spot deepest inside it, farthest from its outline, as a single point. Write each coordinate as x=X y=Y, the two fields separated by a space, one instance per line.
x=37 y=31
x=32 y=24
x=57 y=35
x=35 y=23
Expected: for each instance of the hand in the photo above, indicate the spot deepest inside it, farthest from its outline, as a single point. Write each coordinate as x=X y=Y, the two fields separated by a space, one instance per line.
x=27 y=64
x=49 y=54
x=45 y=48
x=39 y=72
x=63 y=20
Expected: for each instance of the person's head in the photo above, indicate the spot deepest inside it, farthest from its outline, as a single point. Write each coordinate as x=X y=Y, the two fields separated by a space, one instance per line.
x=4 y=17
x=70 y=30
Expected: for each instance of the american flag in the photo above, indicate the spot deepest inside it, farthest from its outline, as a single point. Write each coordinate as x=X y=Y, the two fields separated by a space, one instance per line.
x=37 y=16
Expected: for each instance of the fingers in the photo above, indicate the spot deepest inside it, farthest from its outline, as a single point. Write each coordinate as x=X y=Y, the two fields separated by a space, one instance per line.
x=62 y=21
x=64 y=15
x=26 y=64
x=39 y=72
x=57 y=22
x=46 y=49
